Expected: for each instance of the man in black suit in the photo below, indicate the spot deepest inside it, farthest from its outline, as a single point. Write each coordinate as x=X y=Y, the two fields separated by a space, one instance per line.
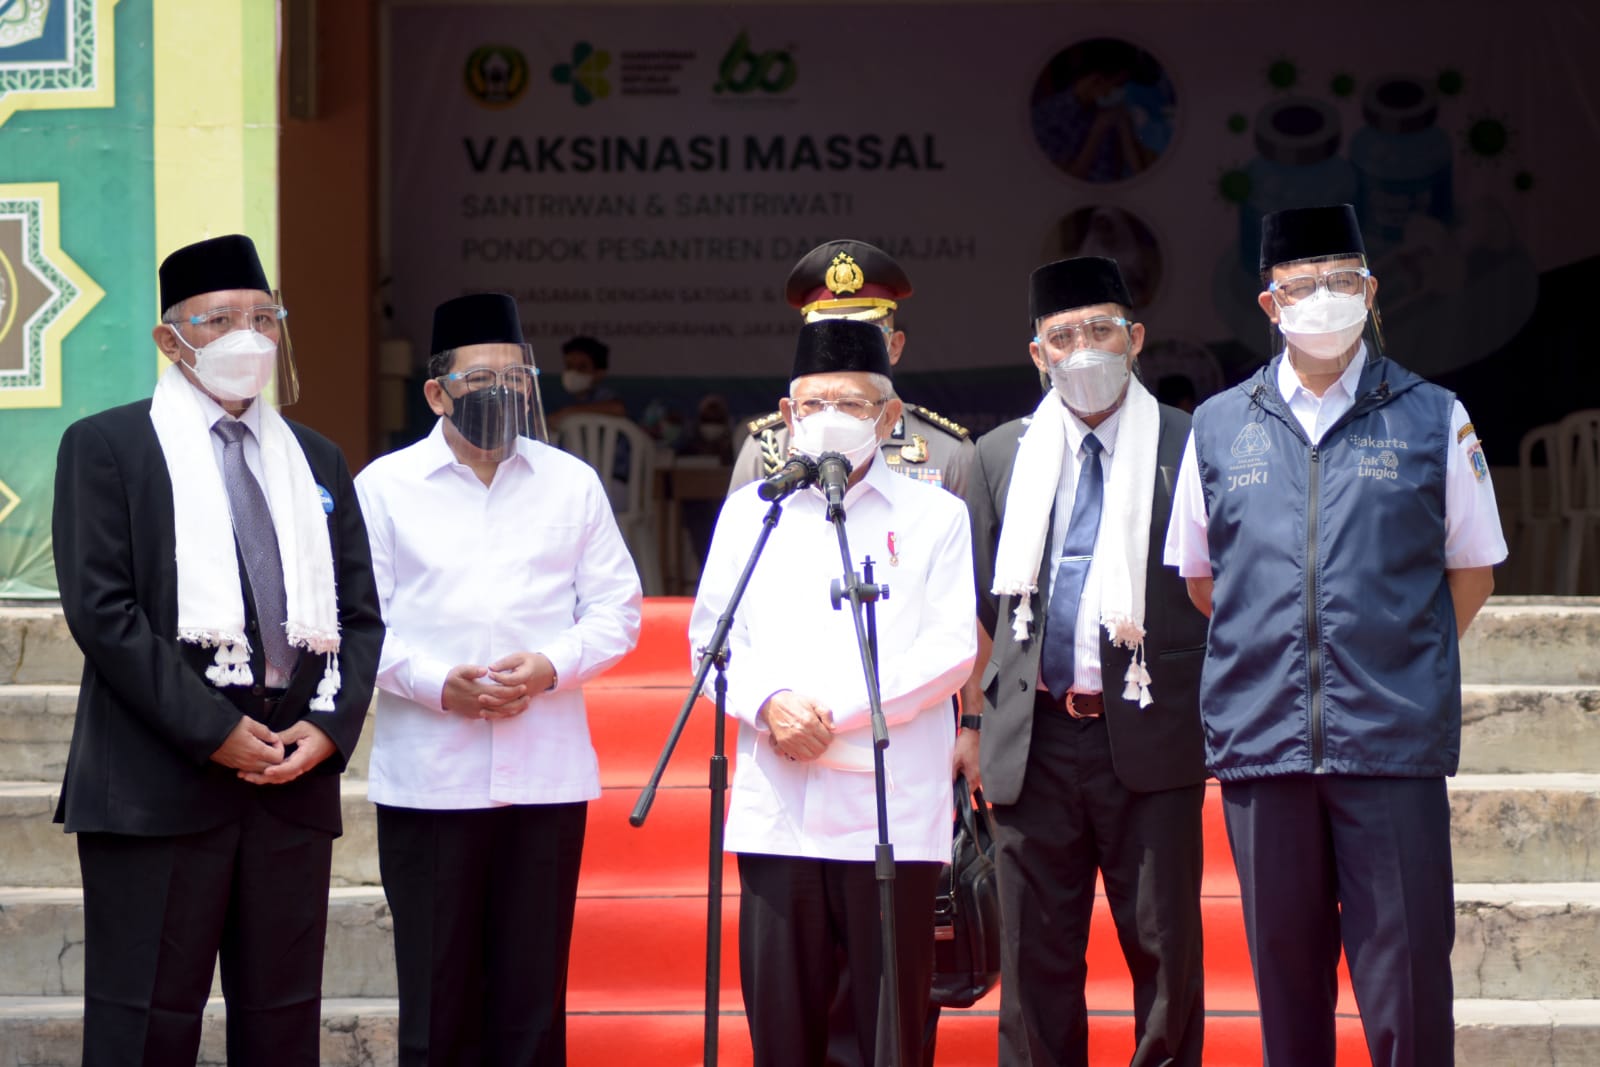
x=1069 y=513
x=214 y=569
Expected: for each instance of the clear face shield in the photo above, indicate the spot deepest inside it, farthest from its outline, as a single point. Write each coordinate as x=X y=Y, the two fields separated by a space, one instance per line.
x=1322 y=307
x=240 y=351
x=492 y=396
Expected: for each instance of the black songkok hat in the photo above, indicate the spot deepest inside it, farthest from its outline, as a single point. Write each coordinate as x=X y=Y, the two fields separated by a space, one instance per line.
x=212 y=266
x=1308 y=232
x=845 y=273
x=835 y=346
x=475 y=319
x=1075 y=283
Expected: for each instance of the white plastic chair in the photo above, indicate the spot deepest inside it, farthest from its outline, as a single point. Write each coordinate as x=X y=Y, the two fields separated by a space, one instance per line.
x=1578 y=442
x=1536 y=537
x=596 y=439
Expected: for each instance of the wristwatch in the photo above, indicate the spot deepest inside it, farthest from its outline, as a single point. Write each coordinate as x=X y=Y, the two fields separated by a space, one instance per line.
x=972 y=722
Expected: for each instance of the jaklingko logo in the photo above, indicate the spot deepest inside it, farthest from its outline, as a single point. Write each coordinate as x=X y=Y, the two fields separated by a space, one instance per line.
x=743 y=71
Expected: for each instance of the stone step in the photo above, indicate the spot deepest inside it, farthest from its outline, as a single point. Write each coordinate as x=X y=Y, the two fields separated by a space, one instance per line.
x=1515 y=942
x=1505 y=828
x=1504 y=729
x=36 y=648
x=1527 y=941
x=1525 y=827
x=1534 y=641
x=360 y=1032
x=1530 y=728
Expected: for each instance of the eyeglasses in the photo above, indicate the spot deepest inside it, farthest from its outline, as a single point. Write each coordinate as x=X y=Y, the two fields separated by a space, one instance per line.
x=1347 y=282
x=518 y=378
x=262 y=318
x=1094 y=332
x=856 y=407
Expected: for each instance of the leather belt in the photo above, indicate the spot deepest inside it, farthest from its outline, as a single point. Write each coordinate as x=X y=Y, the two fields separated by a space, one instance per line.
x=258 y=701
x=1077 y=705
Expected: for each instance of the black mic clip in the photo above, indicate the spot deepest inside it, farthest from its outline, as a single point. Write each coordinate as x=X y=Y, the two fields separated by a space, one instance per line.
x=798 y=473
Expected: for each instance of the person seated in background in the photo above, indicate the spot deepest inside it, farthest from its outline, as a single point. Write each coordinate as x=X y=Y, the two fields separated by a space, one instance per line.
x=713 y=430
x=586 y=362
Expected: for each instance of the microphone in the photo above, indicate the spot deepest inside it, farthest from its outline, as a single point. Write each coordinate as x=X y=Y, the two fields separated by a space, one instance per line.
x=798 y=473
x=833 y=470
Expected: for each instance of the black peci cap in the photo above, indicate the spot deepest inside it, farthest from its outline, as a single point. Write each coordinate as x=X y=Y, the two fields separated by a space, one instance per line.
x=837 y=346
x=846 y=274
x=475 y=319
x=1075 y=283
x=211 y=266
x=1309 y=232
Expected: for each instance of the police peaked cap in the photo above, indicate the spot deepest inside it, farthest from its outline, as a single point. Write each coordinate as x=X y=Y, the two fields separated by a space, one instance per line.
x=475 y=319
x=211 y=266
x=1309 y=232
x=838 y=346
x=846 y=274
x=1075 y=283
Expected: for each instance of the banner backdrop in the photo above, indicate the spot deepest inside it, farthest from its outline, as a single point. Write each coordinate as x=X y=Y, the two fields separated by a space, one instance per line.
x=649 y=175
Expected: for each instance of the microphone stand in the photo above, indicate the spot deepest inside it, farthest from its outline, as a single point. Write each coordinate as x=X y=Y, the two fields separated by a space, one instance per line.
x=714 y=654
x=863 y=596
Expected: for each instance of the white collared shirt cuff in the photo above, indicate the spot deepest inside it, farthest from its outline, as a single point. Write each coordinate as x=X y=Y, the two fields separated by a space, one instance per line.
x=566 y=657
x=427 y=682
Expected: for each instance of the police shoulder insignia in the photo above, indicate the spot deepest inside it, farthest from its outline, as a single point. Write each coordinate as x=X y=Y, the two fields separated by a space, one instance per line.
x=765 y=422
x=773 y=452
x=954 y=429
x=1462 y=434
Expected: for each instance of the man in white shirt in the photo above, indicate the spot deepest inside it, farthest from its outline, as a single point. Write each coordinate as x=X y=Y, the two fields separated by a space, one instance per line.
x=506 y=586
x=802 y=815
x=1335 y=519
x=1091 y=750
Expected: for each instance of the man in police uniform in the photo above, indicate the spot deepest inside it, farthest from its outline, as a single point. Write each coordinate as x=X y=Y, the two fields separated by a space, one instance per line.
x=854 y=280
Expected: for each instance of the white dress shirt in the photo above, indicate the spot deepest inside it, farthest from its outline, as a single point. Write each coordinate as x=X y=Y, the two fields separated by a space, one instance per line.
x=468 y=573
x=251 y=418
x=787 y=635
x=1473 y=537
x=1086 y=634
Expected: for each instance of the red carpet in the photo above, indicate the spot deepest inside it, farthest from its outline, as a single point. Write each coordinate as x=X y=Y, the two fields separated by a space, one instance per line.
x=638 y=955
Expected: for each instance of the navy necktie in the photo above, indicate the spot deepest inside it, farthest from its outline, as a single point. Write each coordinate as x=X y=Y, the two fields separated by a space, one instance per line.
x=1077 y=550
x=258 y=543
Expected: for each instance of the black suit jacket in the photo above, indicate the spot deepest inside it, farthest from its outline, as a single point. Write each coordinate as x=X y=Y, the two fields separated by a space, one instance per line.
x=148 y=720
x=1158 y=747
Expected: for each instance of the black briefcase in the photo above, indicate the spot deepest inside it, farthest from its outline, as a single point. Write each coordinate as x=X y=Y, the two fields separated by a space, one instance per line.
x=966 y=914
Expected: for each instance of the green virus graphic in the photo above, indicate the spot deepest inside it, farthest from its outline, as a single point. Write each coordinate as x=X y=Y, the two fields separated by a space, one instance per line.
x=586 y=73
x=1488 y=138
x=1342 y=85
x=1234 y=185
x=1237 y=123
x=1451 y=82
x=1282 y=74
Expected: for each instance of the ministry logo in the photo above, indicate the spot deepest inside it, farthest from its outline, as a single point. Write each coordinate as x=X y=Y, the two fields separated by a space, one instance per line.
x=586 y=74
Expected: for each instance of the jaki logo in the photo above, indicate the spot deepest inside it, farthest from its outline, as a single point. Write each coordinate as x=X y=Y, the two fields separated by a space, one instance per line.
x=744 y=71
x=586 y=73
x=496 y=75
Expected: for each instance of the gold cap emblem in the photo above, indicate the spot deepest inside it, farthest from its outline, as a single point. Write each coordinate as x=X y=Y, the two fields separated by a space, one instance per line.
x=843 y=275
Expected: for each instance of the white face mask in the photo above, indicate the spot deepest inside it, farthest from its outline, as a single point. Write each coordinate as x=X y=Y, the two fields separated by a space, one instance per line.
x=577 y=381
x=236 y=366
x=1090 y=381
x=833 y=431
x=1324 y=326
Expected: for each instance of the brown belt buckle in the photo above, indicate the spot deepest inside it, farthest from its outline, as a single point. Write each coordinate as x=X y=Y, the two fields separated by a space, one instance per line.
x=1072 y=709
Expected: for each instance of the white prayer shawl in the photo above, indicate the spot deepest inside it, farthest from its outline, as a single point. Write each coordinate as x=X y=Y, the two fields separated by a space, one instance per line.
x=210 y=599
x=1123 y=543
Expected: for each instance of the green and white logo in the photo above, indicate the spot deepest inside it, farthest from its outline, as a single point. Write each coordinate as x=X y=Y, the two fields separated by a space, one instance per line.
x=743 y=71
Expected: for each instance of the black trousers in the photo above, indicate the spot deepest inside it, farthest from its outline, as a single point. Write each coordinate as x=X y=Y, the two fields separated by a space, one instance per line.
x=1325 y=859
x=805 y=926
x=1075 y=818
x=482 y=903
x=158 y=910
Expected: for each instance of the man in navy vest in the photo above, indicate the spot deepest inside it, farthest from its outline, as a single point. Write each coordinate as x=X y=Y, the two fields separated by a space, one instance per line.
x=1334 y=517
x=1091 y=746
